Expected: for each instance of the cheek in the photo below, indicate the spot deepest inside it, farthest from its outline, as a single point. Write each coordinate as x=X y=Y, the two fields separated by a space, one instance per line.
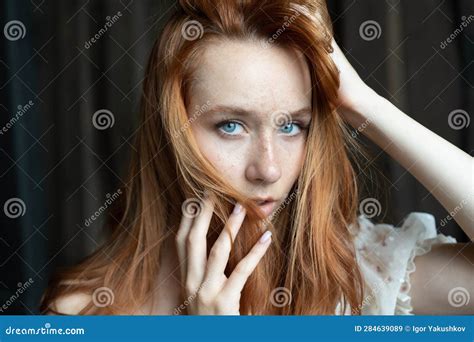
x=227 y=158
x=292 y=160
x=228 y=163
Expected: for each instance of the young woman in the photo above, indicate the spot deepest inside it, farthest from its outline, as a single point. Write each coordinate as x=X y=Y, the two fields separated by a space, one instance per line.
x=243 y=199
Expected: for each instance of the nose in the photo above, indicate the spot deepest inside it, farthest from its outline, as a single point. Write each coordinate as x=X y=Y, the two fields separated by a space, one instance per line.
x=263 y=166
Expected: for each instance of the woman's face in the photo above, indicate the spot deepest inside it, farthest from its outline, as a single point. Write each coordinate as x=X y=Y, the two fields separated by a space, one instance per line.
x=250 y=110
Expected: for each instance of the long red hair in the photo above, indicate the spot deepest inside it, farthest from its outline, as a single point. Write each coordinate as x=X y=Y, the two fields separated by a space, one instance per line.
x=312 y=255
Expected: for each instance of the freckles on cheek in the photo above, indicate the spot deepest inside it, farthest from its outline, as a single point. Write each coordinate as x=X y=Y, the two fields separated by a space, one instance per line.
x=226 y=159
x=293 y=151
x=292 y=157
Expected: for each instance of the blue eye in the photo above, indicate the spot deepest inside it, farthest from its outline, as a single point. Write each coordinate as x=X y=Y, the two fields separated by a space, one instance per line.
x=230 y=128
x=288 y=128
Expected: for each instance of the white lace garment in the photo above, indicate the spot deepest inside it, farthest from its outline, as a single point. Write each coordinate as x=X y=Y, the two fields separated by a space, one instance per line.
x=385 y=255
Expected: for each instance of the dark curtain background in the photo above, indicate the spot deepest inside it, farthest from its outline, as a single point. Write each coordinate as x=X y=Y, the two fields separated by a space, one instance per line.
x=58 y=168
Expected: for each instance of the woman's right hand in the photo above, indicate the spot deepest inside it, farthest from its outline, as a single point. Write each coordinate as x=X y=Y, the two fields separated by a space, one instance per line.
x=208 y=291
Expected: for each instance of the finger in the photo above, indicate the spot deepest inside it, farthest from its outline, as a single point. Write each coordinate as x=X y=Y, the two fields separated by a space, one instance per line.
x=196 y=244
x=181 y=236
x=219 y=254
x=246 y=266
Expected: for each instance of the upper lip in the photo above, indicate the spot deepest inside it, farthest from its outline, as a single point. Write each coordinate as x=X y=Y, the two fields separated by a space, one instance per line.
x=261 y=200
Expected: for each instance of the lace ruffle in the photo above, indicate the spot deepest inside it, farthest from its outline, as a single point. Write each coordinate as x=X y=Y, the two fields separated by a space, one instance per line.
x=403 y=306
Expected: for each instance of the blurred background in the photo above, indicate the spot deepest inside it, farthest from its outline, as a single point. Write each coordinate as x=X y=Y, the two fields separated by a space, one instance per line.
x=61 y=70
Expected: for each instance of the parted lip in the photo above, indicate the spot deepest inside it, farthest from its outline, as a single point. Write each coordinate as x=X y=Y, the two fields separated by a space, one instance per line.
x=263 y=200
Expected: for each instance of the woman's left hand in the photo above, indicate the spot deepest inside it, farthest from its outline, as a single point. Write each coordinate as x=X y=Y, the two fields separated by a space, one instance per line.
x=353 y=91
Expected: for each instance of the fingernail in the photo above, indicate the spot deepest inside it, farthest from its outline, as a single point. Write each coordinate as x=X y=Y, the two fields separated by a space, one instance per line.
x=265 y=237
x=238 y=208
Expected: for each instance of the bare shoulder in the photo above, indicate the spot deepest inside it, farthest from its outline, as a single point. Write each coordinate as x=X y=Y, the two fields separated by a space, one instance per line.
x=71 y=304
x=443 y=280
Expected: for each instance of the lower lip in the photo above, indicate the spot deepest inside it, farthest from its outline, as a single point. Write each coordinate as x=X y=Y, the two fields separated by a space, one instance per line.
x=267 y=208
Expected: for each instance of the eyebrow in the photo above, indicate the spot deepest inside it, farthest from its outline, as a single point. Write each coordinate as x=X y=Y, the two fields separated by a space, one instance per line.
x=244 y=112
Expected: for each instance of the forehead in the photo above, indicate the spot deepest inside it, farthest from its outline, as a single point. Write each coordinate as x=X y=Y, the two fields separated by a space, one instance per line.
x=243 y=73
